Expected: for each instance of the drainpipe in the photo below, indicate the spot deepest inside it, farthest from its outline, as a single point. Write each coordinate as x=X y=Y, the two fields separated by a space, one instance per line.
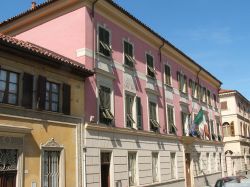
x=163 y=86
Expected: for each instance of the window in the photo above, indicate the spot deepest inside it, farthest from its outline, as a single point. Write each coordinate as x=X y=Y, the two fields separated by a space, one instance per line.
x=208 y=163
x=48 y=96
x=51 y=168
x=185 y=123
x=139 y=113
x=213 y=130
x=132 y=169
x=171 y=126
x=215 y=101
x=154 y=125
x=129 y=102
x=52 y=97
x=223 y=105
x=105 y=114
x=208 y=97
x=167 y=75
x=104 y=42
x=8 y=87
x=192 y=85
x=215 y=161
x=219 y=162
x=128 y=54
x=203 y=95
x=150 y=66
x=155 y=167
x=200 y=163
x=173 y=165
x=182 y=80
x=228 y=129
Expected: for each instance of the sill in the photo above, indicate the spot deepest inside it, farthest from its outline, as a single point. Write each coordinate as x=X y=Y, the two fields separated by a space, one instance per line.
x=184 y=95
x=151 y=78
x=169 y=87
x=129 y=67
x=104 y=56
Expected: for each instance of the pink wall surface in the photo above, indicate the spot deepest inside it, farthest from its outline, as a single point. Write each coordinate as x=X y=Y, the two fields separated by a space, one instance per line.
x=74 y=30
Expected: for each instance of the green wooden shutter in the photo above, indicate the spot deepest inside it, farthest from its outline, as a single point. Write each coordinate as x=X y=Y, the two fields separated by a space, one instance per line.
x=27 y=97
x=139 y=113
x=66 y=99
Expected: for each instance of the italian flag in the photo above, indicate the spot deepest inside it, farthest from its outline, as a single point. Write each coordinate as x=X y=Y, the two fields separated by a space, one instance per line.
x=201 y=124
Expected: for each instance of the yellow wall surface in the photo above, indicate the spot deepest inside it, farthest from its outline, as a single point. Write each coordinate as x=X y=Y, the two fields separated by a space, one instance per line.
x=62 y=128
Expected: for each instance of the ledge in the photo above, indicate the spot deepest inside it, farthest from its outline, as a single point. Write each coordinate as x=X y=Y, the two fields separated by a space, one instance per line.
x=165 y=182
x=111 y=129
x=18 y=112
x=15 y=129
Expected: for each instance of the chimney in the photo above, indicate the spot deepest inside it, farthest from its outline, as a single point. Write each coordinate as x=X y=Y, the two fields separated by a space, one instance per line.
x=33 y=5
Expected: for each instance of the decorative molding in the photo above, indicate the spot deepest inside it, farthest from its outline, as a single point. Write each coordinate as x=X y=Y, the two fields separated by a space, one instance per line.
x=51 y=143
x=11 y=141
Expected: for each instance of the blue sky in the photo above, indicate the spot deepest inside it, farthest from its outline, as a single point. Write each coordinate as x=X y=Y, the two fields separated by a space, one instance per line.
x=215 y=33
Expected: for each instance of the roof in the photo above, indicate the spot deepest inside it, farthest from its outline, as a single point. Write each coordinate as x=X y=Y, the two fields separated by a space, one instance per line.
x=53 y=58
x=222 y=91
x=48 y=2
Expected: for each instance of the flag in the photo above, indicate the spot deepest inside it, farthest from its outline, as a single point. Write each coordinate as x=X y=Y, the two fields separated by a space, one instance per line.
x=198 y=124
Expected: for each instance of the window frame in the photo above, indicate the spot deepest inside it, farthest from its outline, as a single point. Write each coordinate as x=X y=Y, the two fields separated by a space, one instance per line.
x=153 y=122
x=59 y=103
x=156 y=167
x=107 y=47
x=130 y=58
x=52 y=145
x=173 y=169
x=165 y=75
x=170 y=129
x=7 y=83
x=133 y=117
x=136 y=169
x=108 y=112
x=151 y=72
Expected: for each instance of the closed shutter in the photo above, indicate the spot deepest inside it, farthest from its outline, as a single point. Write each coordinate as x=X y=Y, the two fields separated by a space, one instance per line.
x=41 y=92
x=27 y=90
x=66 y=99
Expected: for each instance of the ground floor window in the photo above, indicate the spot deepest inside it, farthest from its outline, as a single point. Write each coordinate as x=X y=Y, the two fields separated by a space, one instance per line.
x=8 y=167
x=132 y=168
x=173 y=165
x=105 y=169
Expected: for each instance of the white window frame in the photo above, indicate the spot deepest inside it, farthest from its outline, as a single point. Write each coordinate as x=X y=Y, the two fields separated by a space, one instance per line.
x=136 y=167
x=52 y=145
x=168 y=126
x=111 y=165
x=153 y=99
x=133 y=57
x=200 y=164
x=105 y=82
x=157 y=166
x=103 y=26
x=165 y=81
x=150 y=53
x=173 y=171
x=134 y=115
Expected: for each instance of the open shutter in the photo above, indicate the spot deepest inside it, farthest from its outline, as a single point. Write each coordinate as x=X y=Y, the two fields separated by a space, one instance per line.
x=41 y=92
x=66 y=99
x=27 y=90
x=139 y=113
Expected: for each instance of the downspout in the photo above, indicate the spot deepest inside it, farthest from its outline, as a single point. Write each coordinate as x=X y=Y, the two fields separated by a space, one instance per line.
x=163 y=86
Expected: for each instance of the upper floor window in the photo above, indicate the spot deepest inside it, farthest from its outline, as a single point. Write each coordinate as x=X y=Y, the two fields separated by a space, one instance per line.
x=215 y=101
x=139 y=113
x=223 y=105
x=104 y=42
x=228 y=129
x=106 y=115
x=167 y=75
x=128 y=54
x=171 y=126
x=8 y=87
x=52 y=96
x=203 y=94
x=154 y=125
x=150 y=66
x=129 y=102
x=182 y=80
x=208 y=97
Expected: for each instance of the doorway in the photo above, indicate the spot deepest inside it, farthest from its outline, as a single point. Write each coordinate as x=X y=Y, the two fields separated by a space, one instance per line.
x=105 y=169
x=188 y=174
x=8 y=179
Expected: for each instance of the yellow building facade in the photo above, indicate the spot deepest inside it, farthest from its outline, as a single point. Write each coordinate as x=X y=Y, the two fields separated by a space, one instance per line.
x=41 y=116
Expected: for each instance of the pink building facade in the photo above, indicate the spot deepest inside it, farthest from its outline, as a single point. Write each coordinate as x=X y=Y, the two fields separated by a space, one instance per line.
x=140 y=104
